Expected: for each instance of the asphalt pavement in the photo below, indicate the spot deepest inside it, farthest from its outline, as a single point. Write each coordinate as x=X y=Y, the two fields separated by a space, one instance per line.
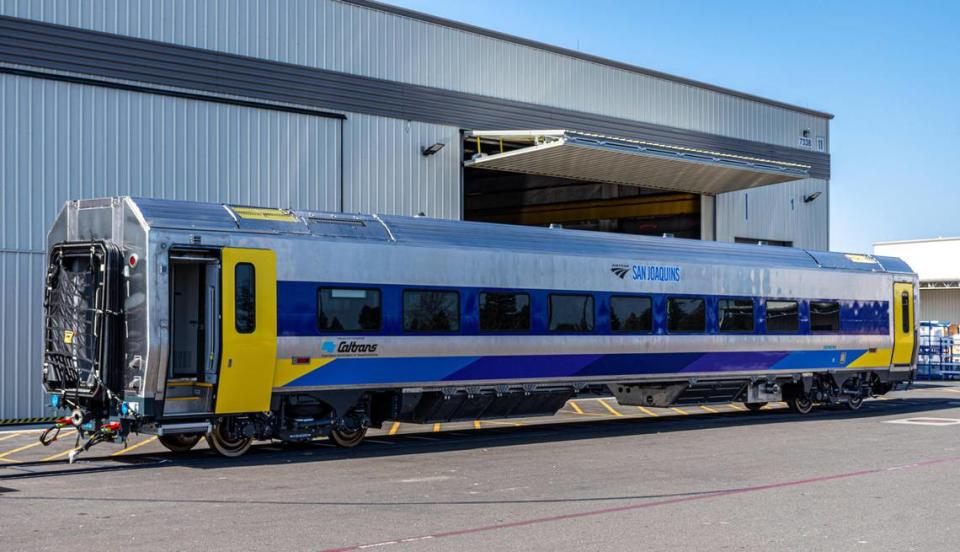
x=597 y=476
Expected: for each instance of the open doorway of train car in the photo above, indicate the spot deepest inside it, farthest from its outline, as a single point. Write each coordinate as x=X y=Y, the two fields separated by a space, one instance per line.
x=541 y=200
x=194 y=332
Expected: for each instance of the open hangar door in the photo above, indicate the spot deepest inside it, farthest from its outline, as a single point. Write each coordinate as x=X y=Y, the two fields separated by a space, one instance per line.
x=595 y=182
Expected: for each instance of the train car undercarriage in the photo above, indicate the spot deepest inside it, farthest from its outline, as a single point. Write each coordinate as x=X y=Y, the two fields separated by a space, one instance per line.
x=345 y=416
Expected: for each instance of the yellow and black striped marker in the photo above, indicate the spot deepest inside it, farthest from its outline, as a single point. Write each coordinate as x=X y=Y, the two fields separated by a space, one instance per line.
x=27 y=421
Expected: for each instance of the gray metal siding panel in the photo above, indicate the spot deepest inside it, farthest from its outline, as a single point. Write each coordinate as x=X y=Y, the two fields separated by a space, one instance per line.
x=61 y=141
x=384 y=171
x=776 y=212
x=942 y=305
x=20 y=334
x=371 y=41
x=37 y=44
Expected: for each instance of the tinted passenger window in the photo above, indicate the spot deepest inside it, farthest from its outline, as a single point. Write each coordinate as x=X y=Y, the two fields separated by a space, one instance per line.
x=631 y=314
x=905 y=311
x=504 y=312
x=686 y=315
x=245 y=298
x=824 y=316
x=431 y=311
x=348 y=310
x=783 y=316
x=571 y=313
x=736 y=315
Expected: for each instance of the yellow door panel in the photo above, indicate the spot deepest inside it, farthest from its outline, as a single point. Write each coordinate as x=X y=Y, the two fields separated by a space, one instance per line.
x=903 y=323
x=249 y=330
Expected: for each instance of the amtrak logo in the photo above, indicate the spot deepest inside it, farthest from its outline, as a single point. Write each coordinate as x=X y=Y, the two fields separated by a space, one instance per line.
x=328 y=347
x=620 y=270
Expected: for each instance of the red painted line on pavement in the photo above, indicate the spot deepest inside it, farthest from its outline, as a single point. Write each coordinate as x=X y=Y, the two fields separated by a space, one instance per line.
x=644 y=505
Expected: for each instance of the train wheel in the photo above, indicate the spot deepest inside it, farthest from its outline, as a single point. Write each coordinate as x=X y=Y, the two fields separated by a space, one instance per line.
x=755 y=407
x=855 y=402
x=347 y=438
x=800 y=404
x=226 y=443
x=179 y=443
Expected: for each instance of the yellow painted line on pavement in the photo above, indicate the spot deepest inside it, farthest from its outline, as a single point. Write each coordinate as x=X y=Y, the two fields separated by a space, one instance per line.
x=436 y=427
x=135 y=446
x=32 y=445
x=736 y=406
x=57 y=455
x=497 y=422
x=394 y=428
x=710 y=410
x=476 y=424
x=883 y=398
x=767 y=407
x=610 y=408
x=11 y=436
x=679 y=410
x=8 y=431
x=647 y=411
x=576 y=407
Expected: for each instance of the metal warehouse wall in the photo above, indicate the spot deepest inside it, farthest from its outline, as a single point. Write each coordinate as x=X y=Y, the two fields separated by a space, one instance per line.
x=777 y=213
x=61 y=141
x=940 y=304
x=384 y=171
x=340 y=36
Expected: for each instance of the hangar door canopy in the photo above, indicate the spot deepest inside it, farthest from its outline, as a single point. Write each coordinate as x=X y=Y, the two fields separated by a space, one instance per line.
x=593 y=181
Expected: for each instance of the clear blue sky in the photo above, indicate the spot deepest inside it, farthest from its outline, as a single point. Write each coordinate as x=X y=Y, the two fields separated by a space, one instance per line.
x=889 y=71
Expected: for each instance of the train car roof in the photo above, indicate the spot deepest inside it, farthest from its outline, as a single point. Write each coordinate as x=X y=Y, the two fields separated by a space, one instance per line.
x=431 y=232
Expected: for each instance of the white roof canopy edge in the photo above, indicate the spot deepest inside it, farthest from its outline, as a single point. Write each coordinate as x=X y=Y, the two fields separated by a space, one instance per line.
x=595 y=157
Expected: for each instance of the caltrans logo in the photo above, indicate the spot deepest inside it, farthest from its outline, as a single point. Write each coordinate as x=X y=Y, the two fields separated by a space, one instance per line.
x=348 y=347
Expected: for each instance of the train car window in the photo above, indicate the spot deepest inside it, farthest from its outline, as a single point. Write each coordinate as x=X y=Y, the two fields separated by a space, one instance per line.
x=504 y=312
x=571 y=313
x=686 y=315
x=431 y=311
x=905 y=312
x=824 y=316
x=783 y=316
x=245 y=298
x=735 y=315
x=348 y=310
x=631 y=314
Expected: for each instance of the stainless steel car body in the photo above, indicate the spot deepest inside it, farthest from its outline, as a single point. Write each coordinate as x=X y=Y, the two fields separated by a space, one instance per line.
x=412 y=251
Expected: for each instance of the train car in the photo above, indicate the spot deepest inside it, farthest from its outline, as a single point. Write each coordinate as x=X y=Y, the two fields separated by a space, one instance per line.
x=235 y=323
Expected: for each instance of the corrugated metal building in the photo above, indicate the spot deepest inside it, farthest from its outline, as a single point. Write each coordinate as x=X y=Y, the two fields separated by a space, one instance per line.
x=330 y=104
x=937 y=263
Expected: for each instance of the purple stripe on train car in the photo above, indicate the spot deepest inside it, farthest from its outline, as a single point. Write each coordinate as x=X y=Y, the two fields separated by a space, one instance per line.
x=735 y=362
x=530 y=367
x=386 y=370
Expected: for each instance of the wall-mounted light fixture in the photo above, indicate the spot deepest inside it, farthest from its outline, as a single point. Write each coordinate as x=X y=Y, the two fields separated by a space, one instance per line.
x=430 y=150
x=810 y=197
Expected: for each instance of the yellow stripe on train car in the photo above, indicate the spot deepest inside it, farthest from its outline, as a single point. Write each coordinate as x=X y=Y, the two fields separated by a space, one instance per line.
x=874 y=358
x=287 y=371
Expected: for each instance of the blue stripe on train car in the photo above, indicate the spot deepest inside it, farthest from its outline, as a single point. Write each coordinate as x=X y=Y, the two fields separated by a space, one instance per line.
x=297 y=311
x=387 y=370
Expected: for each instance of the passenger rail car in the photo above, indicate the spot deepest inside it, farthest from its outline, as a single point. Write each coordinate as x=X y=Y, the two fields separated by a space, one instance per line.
x=192 y=320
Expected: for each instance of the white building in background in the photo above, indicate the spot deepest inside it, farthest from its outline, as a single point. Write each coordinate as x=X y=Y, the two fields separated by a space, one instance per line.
x=357 y=106
x=937 y=262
